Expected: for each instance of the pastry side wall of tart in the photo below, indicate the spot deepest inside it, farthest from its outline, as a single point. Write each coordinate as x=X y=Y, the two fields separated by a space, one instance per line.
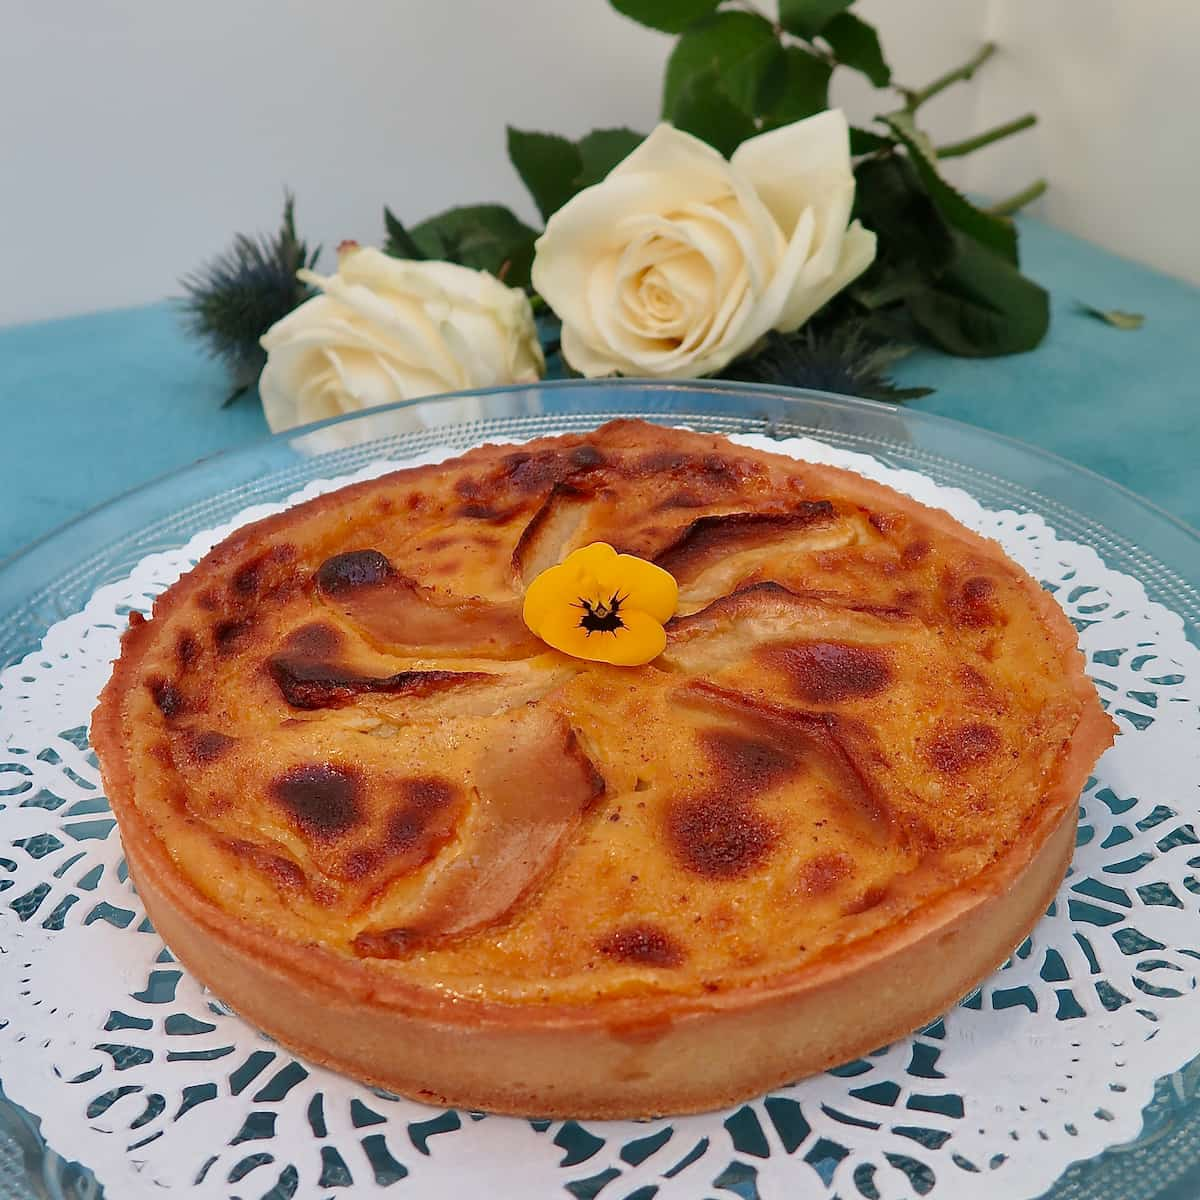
x=350 y=781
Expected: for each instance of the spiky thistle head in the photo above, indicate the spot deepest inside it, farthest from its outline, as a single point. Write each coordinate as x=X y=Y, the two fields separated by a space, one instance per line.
x=847 y=355
x=233 y=299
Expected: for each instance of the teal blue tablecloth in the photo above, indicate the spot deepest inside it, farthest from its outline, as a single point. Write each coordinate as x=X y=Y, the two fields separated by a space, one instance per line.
x=94 y=405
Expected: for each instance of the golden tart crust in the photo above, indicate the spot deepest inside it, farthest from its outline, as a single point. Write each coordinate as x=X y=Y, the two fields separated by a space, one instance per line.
x=395 y=831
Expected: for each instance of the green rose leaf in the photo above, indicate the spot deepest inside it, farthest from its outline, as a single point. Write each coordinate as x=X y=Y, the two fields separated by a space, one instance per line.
x=548 y=166
x=807 y=18
x=756 y=82
x=856 y=44
x=996 y=233
x=863 y=141
x=915 y=245
x=399 y=242
x=554 y=169
x=601 y=150
x=739 y=49
x=703 y=109
x=487 y=237
x=982 y=305
x=805 y=88
x=671 y=16
x=1116 y=317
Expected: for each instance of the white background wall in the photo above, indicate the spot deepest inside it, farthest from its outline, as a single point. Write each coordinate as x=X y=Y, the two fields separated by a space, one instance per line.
x=135 y=137
x=1117 y=87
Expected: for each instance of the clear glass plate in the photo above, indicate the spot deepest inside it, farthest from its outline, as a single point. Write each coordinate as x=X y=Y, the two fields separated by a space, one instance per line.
x=55 y=576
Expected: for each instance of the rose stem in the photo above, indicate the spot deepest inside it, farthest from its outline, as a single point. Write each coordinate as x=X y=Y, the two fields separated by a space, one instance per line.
x=1005 y=208
x=915 y=98
x=957 y=149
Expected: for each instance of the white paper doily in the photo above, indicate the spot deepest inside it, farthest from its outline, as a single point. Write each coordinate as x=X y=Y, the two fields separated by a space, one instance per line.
x=143 y=1076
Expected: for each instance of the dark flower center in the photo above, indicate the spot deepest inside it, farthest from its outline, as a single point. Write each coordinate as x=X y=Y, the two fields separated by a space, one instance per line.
x=601 y=617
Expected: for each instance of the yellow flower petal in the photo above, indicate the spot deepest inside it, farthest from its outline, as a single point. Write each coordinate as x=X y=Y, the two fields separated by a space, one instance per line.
x=646 y=587
x=543 y=595
x=592 y=560
x=560 y=628
x=602 y=606
x=641 y=641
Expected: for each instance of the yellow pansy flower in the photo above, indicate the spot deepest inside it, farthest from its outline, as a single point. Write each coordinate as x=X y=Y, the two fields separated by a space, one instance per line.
x=603 y=606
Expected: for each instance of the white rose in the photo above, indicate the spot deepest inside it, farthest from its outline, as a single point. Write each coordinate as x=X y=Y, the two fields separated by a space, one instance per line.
x=679 y=261
x=386 y=329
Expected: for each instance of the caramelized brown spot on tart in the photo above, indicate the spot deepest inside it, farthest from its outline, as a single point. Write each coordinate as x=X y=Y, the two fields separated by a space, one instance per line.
x=247 y=578
x=421 y=823
x=167 y=697
x=887 y=522
x=727 y=468
x=427 y=793
x=284 y=872
x=314 y=638
x=488 y=512
x=710 y=472
x=384 y=943
x=423 y=820
x=353 y=569
x=262 y=572
x=322 y=800
x=718 y=836
x=587 y=457
x=844 y=748
x=830 y=672
x=915 y=552
x=660 y=462
x=970 y=604
x=955 y=750
x=708 y=538
x=745 y=765
x=537 y=472
x=204 y=746
x=359 y=863
x=227 y=634
x=823 y=873
x=900 y=611
x=187 y=647
x=310 y=683
x=644 y=944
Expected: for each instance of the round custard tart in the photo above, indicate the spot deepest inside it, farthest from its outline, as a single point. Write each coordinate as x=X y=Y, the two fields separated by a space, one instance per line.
x=400 y=833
